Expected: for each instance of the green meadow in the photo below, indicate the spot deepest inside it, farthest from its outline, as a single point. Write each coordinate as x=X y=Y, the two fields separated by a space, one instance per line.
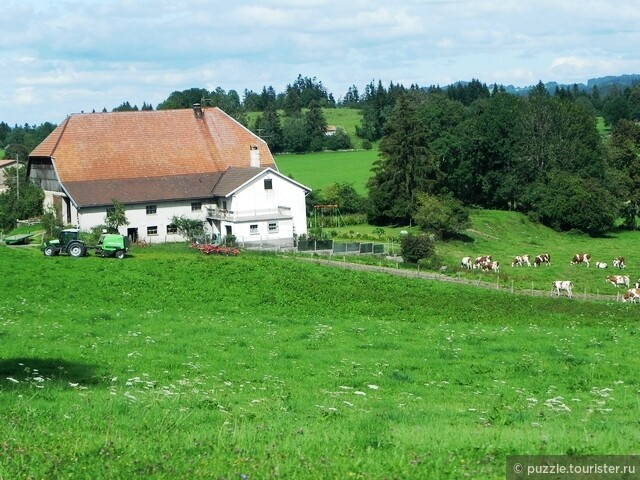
x=173 y=364
x=318 y=170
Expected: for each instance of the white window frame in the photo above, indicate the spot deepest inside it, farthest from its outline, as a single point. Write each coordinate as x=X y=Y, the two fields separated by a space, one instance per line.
x=273 y=227
x=152 y=209
x=254 y=229
x=150 y=229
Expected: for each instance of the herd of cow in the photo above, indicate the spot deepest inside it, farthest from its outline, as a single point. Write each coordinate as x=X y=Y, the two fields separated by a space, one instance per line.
x=487 y=264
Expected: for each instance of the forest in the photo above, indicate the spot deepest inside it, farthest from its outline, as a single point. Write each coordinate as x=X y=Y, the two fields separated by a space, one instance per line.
x=568 y=157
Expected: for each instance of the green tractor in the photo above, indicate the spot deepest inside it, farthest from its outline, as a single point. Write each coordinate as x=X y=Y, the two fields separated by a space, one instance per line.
x=69 y=242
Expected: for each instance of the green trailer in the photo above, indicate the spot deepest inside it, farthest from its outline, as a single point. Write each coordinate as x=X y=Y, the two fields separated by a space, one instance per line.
x=21 y=239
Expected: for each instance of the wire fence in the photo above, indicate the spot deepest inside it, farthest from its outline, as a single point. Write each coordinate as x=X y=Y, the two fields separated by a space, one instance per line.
x=480 y=282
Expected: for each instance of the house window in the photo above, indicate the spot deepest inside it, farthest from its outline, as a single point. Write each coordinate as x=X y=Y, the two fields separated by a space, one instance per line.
x=151 y=209
x=253 y=229
x=273 y=227
x=196 y=206
x=268 y=184
x=152 y=230
x=172 y=229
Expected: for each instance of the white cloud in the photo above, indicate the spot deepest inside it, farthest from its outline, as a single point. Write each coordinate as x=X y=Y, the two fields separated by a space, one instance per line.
x=63 y=57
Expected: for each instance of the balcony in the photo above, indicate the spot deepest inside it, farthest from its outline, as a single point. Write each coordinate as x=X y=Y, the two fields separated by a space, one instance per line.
x=279 y=213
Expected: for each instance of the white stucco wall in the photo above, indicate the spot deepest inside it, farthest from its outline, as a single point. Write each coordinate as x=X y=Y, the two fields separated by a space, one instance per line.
x=138 y=217
x=254 y=197
x=251 y=204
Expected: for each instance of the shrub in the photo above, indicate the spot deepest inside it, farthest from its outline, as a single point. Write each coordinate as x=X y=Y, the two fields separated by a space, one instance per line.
x=417 y=247
x=189 y=228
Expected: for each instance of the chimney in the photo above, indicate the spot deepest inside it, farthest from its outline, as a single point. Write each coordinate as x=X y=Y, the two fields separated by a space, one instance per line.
x=254 y=153
x=197 y=110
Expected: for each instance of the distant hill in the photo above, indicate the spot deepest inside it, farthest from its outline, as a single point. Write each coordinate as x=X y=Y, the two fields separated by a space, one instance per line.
x=603 y=84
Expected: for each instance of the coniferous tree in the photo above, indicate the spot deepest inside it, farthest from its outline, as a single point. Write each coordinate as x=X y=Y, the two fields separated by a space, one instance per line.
x=405 y=167
x=268 y=128
x=315 y=126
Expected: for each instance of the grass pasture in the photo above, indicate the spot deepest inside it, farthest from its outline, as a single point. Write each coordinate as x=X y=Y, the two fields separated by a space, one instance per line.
x=504 y=235
x=317 y=170
x=173 y=364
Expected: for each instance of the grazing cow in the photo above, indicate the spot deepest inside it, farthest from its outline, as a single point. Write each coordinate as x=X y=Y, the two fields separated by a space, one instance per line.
x=638 y=284
x=480 y=261
x=563 y=286
x=542 y=258
x=601 y=265
x=632 y=295
x=619 y=263
x=466 y=263
x=618 y=280
x=579 y=258
x=491 y=266
x=520 y=260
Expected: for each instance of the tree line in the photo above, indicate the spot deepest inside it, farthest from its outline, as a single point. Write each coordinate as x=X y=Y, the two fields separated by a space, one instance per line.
x=446 y=149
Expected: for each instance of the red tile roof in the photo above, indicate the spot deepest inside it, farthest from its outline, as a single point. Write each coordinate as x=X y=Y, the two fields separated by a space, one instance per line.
x=92 y=147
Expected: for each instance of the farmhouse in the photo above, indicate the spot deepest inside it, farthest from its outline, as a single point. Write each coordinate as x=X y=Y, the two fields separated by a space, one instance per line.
x=3 y=172
x=198 y=163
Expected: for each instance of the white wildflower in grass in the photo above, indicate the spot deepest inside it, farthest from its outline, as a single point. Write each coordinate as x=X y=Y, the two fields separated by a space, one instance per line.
x=228 y=384
x=11 y=379
x=130 y=397
x=618 y=382
x=344 y=387
x=557 y=404
x=73 y=385
x=358 y=392
x=348 y=404
x=603 y=392
x=373 y=387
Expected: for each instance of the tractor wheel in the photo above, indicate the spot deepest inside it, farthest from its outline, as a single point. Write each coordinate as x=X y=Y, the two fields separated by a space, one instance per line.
x=119 y=254
x=49 y=251
x=76 y=249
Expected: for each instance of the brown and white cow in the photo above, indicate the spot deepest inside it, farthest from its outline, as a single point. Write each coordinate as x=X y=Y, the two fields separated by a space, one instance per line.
x=520 y=260
x=632 y=295
x=601 y=265
x=480 y=261
x=618 y=280
x=619 y=263
x=491 y=266
x=563 y=286
x=542 y=258
x=579 y=258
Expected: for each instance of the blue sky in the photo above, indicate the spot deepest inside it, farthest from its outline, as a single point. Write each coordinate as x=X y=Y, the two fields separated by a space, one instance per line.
x=62 y=57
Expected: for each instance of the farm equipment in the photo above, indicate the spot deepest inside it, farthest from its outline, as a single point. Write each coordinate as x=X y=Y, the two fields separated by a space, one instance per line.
x=112 y=245
x=69 y=242
x=22 y=239
x=209 y=249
